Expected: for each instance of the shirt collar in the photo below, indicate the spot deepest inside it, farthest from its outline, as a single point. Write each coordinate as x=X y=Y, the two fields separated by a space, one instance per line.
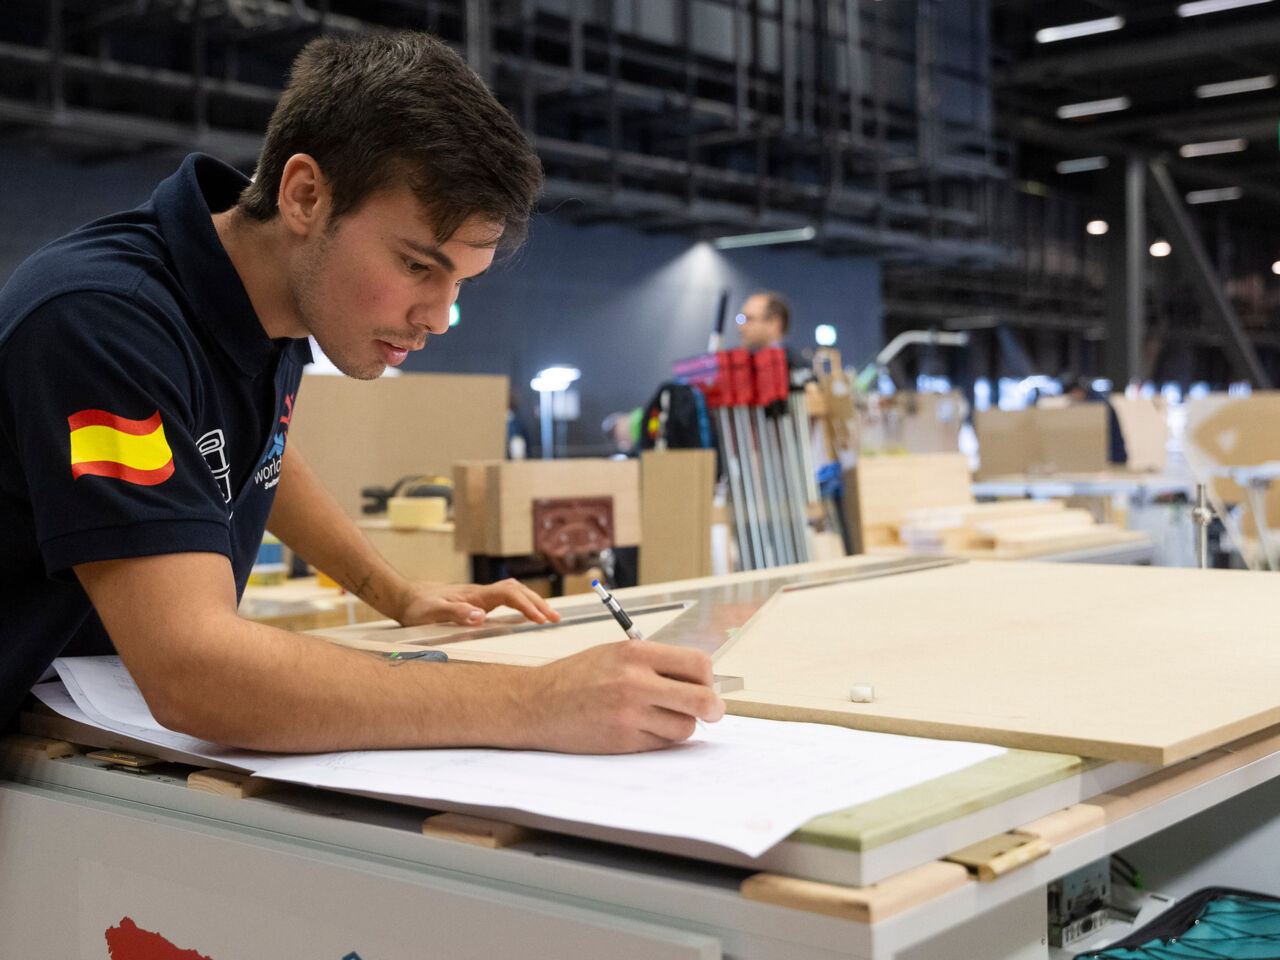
x=185 y=203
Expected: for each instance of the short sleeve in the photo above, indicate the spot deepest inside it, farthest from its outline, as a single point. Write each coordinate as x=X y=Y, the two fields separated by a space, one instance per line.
x=100 y=397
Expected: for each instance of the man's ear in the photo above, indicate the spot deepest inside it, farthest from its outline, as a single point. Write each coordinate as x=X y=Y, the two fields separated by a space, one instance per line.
x=305 y=198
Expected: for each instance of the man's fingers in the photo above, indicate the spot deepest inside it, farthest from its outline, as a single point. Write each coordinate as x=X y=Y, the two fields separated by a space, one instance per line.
x=678 y=663
x=519 y=597
x=670 y=726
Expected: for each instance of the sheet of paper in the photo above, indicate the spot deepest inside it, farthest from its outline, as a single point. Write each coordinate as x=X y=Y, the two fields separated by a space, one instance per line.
x=741 y=783
x=104 y=691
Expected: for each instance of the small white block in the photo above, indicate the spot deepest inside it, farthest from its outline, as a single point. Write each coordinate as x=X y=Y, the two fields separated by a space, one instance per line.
x=862 y=693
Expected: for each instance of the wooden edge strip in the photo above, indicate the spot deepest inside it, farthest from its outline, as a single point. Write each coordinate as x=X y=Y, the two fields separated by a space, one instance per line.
x=1159 y=786
x=46 y=747
x=1057 y=828
x=479 y=831
x=998 y=855
x=230 y=783
x=861 y=904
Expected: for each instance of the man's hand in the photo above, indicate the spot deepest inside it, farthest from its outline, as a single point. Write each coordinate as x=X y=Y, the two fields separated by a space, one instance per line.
x=467 y=603
x=620 y=698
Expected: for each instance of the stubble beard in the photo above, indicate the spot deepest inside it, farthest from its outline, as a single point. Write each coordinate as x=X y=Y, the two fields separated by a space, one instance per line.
x=304 y=289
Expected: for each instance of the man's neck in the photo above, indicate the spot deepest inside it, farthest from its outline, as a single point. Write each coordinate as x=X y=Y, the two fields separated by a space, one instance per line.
x=256 y=250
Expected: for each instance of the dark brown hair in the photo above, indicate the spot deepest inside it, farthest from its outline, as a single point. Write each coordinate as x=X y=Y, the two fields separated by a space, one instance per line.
x=401 y=107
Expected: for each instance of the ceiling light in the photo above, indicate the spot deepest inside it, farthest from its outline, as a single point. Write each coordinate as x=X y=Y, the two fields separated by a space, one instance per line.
x=1210 y=147
x=1160 y=248
x=1096 y=228
x=1069 y=111
x=1200 y=7
x=1084 y=28
x=1081 y=164
x=1275 y=267
x=1228 y=87
x=1213 y=196
x=763 y=239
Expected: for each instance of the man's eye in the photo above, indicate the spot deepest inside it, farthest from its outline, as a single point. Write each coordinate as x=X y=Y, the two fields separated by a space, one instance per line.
x=415 y=267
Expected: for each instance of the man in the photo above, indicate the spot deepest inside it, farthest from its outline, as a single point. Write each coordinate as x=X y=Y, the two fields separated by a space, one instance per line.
x=149 y=364
x=763 y=321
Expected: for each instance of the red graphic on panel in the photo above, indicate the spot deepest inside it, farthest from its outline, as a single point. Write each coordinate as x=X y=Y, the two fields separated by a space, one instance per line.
x=128 y=941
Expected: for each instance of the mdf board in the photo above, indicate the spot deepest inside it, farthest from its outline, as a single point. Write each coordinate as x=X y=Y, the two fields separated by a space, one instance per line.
x=1126 y=663
x=676 y=490
x=1042 y=440
x=493 y=506
x=889 y=486
x=371 y=433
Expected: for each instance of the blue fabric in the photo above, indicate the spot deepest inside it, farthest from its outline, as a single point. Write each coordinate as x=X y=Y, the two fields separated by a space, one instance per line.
x=137 y=315
x=1231 y=927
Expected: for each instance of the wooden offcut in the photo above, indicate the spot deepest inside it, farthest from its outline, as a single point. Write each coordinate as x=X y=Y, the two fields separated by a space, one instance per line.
x=230 y=783
x=999 y=855
x=478 y=831
x=45 y=747
x=1126 y=663
x=868 y=904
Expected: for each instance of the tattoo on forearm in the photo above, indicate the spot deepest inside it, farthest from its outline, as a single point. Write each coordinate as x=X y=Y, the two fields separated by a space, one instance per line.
x=364 y=591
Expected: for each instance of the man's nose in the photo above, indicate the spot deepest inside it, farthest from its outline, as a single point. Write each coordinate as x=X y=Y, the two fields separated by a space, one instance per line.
x=433 y=317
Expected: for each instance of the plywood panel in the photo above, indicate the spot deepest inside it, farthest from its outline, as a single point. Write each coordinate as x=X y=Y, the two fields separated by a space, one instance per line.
x=371 y=433
x=1126 y=663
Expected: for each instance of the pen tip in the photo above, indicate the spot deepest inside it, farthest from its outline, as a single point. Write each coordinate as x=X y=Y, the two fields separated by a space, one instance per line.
x=595 y=583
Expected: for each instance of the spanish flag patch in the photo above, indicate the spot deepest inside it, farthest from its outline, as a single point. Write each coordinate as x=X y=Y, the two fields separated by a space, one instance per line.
x=104 y=445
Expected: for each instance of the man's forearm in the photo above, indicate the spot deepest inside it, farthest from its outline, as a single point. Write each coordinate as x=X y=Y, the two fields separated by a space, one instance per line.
x=307 y=518
x=261 y=688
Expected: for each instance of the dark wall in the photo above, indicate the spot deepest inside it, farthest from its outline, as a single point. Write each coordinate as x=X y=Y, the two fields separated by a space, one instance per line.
x=618 y=304
x=621 y=306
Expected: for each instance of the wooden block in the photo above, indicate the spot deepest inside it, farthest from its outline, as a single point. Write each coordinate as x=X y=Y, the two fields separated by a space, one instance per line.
x=1058 y=828
x=479 y=831
x=676 y=490
x=45 y=747
x=860 y=904
x=427 y=553
x=998 y=855
x=230 y=783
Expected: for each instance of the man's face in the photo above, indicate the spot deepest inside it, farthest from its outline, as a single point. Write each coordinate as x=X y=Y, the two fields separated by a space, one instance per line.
x=758 y=328
x=377 y=282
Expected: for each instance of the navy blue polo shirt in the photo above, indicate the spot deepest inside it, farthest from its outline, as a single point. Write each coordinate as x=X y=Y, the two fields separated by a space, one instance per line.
x=143 y=411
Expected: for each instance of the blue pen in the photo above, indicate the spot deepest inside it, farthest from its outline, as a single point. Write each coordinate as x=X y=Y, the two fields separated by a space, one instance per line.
x=618 y=613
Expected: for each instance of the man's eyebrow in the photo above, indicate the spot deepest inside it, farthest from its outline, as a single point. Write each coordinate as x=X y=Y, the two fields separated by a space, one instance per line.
x=433 y=253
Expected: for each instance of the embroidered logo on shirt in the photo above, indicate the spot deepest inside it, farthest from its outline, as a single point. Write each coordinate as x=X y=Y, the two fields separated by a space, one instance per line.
x=105 y=445
x=213 y=447
x=268 y=473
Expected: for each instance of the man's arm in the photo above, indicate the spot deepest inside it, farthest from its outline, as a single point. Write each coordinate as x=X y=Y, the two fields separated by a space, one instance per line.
x=307 y=518
x=206 y=672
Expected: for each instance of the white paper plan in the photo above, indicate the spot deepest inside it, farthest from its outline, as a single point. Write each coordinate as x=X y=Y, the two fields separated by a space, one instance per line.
x=742 y=783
